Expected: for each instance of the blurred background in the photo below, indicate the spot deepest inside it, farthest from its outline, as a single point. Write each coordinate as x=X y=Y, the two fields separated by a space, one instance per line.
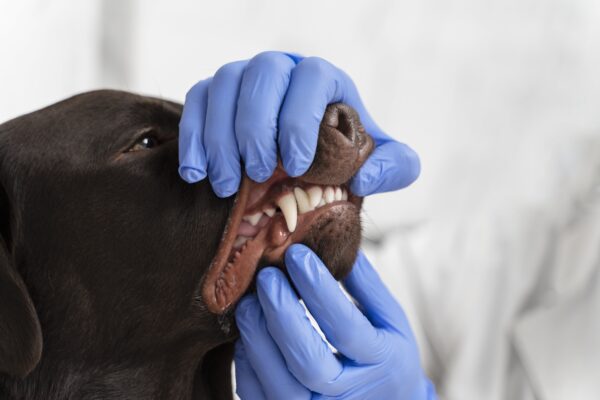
x=497 y=240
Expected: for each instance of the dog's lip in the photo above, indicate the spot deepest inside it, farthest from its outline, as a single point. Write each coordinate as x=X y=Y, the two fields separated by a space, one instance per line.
x=231 y=272
x=214 y=303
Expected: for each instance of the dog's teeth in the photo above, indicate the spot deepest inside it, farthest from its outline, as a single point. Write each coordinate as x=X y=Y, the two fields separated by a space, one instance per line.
x=302 y=200
x=254 y=218
x=329 y=194
x=315 y=194
x=338 y=194
x=344 y=195
x=269 y=211
x=240 y=241
x=321 y=203
x=287 y=204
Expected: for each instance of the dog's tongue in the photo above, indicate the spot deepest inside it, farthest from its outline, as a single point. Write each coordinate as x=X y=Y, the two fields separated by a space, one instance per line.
x=248 y=230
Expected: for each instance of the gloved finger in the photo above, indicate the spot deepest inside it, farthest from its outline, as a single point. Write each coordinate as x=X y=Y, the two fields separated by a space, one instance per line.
x=246 y=381
x=223 y=157
x=392 y=166
x=296 y=57
x=306 y=354
x=313 y=85
x=264 y=84
x=344 y=325
x=378 y=304
x=263 y=354
x=359 y=383
x=192 y=157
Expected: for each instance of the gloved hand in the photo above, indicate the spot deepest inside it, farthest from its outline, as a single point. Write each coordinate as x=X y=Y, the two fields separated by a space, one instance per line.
x=251 y=107
x=281 y=356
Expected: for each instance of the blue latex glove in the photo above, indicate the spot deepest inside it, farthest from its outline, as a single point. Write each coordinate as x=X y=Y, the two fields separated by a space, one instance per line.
x=281 y=356
x=251 y=108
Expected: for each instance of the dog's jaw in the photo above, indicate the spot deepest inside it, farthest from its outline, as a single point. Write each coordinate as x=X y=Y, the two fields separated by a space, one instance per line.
x=331 y=227
x=233 y=269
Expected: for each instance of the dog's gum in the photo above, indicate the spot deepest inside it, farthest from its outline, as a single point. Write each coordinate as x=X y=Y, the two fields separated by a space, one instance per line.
x=238 y=273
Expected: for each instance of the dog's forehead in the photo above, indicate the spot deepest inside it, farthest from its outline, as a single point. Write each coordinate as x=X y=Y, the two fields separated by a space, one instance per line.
x=93 y=123
x=102 y=113
x=112 y=107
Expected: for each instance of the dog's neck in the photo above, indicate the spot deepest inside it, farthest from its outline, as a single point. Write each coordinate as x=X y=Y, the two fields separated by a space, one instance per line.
x=208 y=377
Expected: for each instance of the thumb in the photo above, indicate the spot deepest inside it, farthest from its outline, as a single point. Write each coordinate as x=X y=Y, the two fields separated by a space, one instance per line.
x=392 y=166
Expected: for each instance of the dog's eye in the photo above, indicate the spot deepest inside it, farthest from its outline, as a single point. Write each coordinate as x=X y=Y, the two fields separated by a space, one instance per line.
x=144 y=143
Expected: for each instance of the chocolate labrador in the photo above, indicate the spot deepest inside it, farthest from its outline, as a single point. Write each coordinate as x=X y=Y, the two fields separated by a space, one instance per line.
x=117 y=278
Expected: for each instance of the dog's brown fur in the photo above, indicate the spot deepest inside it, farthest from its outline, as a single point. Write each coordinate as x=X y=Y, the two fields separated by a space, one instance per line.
x=102 y=252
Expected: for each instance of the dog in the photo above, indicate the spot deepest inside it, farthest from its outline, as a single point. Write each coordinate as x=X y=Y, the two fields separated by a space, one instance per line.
x=117 y=278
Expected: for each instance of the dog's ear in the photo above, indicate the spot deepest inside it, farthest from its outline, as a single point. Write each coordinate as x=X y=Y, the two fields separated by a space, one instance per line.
x=20 y=331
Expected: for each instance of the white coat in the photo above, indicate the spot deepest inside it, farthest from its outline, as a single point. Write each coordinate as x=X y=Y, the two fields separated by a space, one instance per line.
x=505 y=300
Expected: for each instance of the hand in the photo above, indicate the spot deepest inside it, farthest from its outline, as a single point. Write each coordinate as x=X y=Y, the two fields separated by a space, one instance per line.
x=281 y=356
x=250 y=108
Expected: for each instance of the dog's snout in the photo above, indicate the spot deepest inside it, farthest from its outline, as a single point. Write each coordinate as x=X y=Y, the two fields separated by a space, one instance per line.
x=345 y=120
x=343 y=146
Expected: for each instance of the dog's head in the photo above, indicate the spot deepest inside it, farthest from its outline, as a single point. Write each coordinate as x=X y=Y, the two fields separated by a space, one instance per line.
x=108 y=251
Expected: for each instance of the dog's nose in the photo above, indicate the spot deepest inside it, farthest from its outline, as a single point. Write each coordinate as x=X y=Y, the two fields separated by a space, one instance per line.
x=343 y=146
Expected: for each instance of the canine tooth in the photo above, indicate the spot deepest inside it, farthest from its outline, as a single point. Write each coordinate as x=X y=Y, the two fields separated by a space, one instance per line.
x=269 y=211
x=253 y=219
x=303 y=200
x=338 y=194
x=315 y=194
x=344 y=195
x=329 y=194
x=287 y=204
x=321 y=203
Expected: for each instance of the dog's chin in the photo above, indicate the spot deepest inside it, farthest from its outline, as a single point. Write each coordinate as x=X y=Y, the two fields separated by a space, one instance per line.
x=269 y=217
x=335 y=237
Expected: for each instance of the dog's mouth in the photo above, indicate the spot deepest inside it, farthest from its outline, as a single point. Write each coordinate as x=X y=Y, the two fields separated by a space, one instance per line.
x=316 y=209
